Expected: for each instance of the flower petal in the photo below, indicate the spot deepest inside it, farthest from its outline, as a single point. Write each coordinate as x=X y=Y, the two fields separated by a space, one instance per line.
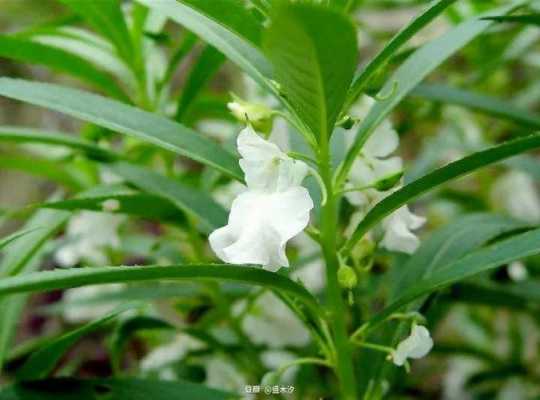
x=417 y=345
x=265 y=166
x=260 y=224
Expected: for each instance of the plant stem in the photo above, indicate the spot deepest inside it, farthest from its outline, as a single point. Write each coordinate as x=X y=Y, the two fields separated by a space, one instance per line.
x=329 y=226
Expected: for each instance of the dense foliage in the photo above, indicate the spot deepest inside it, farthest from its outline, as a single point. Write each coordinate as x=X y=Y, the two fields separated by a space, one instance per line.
x=311 y=199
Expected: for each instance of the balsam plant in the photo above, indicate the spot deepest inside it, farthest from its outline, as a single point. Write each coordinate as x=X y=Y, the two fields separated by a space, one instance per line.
x=235 y=214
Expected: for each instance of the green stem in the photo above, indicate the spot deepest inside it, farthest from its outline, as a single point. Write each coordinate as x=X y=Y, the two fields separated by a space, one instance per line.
x=329 y=227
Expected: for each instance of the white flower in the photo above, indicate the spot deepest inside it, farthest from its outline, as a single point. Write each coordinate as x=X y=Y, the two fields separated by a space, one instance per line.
x=517 y=271
x=169 y=353
x=85 y=303
x=374 y=162
x=515 y=192
x=372 y=167
x=222 y=374
x=88 y=235
x=417 y=345
x=272 y=323
x=272 y=210
x=397 y=231
x=265 y=166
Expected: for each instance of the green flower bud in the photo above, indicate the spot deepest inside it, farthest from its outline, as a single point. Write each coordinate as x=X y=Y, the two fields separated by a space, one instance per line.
x=388 y=182
x=347 y=277
x=258 y=115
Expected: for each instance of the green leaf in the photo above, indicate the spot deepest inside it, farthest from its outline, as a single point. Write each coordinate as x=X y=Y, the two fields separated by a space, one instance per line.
x=130 y=202
x=207 y=23
x=20 y=259
x=313 y=51
x=43 y=361
x=59 y=60
x=483 y=260
x=486 y=104
x=441 y=175
x=420 y=64
x=531 y=19
x=106 y=17
x=129 y=327
x=125 y=119
x=233 y=14
x=45 y=224
x=29 y=135
x=48 y=169
x=7 y=240
x=450 y=243
x=209 y=214
x=113 y=389
x=63 y=279
x=362 y=79
x=204 y=68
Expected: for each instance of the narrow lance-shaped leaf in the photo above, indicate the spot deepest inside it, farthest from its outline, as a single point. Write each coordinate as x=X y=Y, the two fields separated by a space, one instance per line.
x=63 y=279
x=60 y=60
x=19 y=258
x=7 y=240
x=313 y=51
x=92 y=389
x=28 y=135
x=217 y=33
x=411 y=73
x=439 y=176
x=380 y=60
x=124 y=200
x=209 y=214
x=475 y=101
x=41 y=167
x=532 y=19
x=124 y=119
x=450 y=243
x=202 y=71
x=106 y=17
x=483 y=260
x=42 y=362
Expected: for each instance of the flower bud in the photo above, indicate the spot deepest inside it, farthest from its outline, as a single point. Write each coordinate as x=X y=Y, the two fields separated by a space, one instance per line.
x=258 y=115
x=347 y=277
x=388 y=182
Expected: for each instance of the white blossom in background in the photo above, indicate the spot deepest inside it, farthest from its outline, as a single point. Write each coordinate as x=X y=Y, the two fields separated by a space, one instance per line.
x=417 y=345
x=517 y=271
x=398 y=229
x=222 y=374
x=458 y=372
x=374 y=165
x=270 y=322
x=516 y=193
x=312 y=274
x=85 y=303
x=163 y=356
x=88 y=236
x=273 y=209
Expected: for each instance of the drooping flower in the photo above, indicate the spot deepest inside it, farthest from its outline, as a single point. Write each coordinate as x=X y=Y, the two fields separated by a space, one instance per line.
x=88 y=235
x=372 y=177
x=397 y=231
x=272 y=210
x=374 y=163
x=417 y=345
